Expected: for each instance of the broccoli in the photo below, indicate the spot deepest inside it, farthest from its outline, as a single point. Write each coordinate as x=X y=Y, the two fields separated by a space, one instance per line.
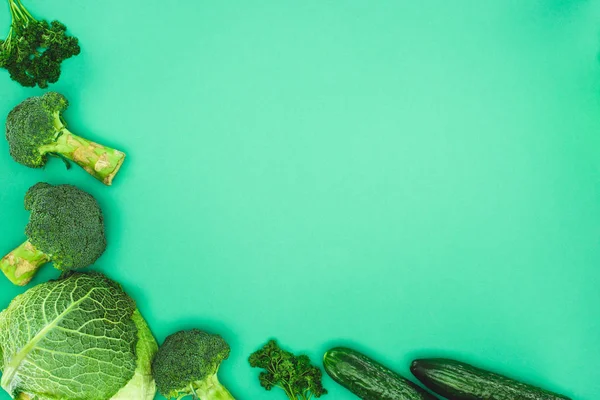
x=293 y=374
x=65 y=226
x=35 y=129
x=34 y=50
x=187 y=364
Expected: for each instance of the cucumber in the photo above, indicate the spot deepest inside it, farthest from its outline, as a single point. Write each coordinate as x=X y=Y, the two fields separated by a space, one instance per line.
x=368 y=379
x=459 y=381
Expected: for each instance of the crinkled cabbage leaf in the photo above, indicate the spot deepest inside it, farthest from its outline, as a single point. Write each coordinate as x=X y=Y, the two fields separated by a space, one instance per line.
x=75 y=338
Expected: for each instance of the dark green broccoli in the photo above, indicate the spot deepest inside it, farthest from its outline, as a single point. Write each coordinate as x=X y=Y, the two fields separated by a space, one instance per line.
x=65 y=226
x=187 y=364
x=295 y=375
x=35 y=129
x=34 y=50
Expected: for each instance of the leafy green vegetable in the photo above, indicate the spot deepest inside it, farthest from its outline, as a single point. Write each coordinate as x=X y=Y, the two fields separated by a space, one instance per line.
x=142 y=385
x=34 y=50
x=294 y=374
x=187 y=365
x=77 y=338
x=35 y=129
x=66 y=227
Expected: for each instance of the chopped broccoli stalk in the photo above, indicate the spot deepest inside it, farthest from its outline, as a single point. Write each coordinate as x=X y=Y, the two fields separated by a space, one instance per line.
x=101 y=162
x=34 y=49
x=187 y=365
x=21 y=264
x=35 y=129
x=210 y=388
x=65 y=226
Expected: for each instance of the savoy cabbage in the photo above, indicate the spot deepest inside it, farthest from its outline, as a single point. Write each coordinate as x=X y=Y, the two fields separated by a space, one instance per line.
x=79 y=337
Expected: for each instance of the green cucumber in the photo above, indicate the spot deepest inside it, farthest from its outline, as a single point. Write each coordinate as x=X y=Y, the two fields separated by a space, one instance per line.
x=368 y=379
x=459 y=381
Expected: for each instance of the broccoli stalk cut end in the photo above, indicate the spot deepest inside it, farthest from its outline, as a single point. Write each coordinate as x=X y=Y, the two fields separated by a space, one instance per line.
x=21 y=264
x=100 y=161
x=211 y=388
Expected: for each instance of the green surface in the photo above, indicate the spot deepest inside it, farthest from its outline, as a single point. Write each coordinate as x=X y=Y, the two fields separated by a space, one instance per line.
x=412 y=178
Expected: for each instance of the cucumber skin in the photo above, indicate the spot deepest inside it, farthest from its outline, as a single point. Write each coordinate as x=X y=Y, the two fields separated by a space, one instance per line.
x=460 y=381
x=368 y=379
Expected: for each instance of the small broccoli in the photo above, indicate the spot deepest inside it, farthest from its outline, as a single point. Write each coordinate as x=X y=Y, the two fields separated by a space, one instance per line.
x=65 y=226
x=187 y=364
x=34 y=50
x=35 y=129
x=295 y=375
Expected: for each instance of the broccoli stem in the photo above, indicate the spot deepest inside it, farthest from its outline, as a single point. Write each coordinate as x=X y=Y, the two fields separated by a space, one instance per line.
x=101 y=162
x=21 y=264
x=211 y=388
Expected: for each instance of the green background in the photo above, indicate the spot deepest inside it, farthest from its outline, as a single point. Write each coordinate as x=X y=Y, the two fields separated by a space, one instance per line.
x=412 y=178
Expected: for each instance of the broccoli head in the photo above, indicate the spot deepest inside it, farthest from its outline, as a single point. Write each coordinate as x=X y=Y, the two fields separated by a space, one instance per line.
x=33 y=124
x=65 y=226
x=36 y=129
x=34 y=50
x=187 y=364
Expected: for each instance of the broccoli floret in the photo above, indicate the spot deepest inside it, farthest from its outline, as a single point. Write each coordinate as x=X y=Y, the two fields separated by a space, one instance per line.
x=65 y=226
x=34 y=50
x=187 y=364
x=35 y=129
